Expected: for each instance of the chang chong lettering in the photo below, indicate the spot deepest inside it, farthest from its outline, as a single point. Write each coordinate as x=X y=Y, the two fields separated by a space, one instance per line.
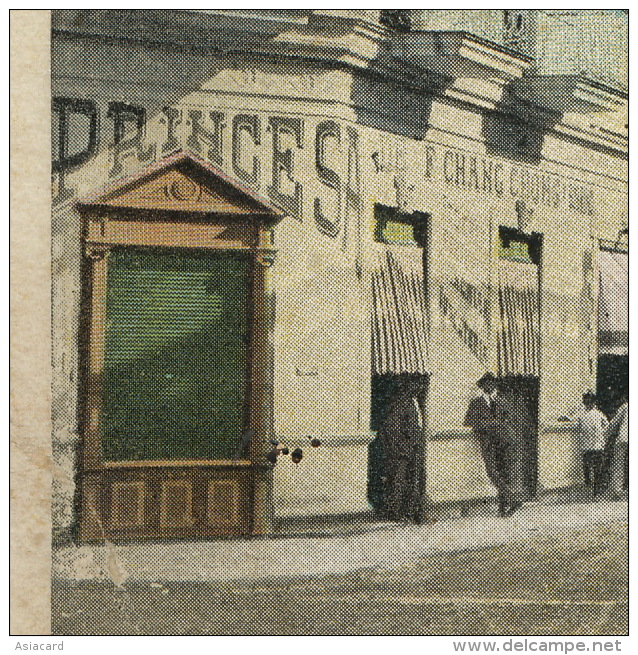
x=500 y=179
x=537 y=187
x=265 y=151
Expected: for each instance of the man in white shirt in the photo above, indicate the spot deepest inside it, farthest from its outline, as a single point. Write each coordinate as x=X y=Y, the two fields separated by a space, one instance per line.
x=591 y=425
x=617 y=435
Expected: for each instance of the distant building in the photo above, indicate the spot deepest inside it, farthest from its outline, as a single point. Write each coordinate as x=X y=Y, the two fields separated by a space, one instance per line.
x=589 y=42
x=263 y=221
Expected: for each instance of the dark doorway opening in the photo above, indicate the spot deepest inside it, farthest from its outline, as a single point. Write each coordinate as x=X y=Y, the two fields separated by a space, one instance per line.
x=519 y=352
x=520 y=395
x=400 y=365
x=612 y=382
x=384 y=387
x=387 y=390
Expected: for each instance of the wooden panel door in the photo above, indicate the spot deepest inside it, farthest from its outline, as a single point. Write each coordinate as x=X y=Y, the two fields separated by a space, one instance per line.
x=167 y=502
x=173 y=404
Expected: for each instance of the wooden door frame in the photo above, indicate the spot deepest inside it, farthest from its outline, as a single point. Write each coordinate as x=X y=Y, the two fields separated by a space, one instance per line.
x=248 y=233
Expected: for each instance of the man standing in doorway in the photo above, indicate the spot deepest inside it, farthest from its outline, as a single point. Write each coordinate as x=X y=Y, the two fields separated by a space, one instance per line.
x=402 y=437
x=617 y=446
x=483 y=417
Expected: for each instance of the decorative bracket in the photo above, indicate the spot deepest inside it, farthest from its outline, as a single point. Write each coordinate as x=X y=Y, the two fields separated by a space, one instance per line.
x=404 y=193
x=266 y=257
x=524 y=214
x=95 y=252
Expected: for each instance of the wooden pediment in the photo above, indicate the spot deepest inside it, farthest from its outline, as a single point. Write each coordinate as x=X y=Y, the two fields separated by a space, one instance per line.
x=182 y=182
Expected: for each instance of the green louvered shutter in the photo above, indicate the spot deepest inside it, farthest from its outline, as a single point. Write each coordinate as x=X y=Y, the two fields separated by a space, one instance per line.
x=175 y=359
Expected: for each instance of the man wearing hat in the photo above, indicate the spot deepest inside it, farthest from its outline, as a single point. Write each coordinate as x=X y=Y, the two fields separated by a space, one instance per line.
x=483 y=417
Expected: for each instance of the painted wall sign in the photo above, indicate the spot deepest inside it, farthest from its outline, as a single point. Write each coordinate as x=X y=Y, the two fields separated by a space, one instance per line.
x=466 y=309
x=492 y=177
x=265 y=151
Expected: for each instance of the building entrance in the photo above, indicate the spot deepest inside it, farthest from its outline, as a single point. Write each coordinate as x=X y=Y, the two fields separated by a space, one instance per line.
x=518 y=348
x=400 y=367
x=396 y=473
x=612 y=380
x=519 y=406
x=175 y=412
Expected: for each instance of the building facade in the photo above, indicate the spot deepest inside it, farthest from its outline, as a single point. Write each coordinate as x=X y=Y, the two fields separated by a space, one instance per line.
x=261 y=220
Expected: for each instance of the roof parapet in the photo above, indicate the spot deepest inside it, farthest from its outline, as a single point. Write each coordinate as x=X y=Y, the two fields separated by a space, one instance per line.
x=570 y=93
x=460 y=54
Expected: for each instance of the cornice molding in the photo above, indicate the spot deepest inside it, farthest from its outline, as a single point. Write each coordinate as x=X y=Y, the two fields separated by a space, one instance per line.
x=456 y=67
x=571 y=93
x=460 y=54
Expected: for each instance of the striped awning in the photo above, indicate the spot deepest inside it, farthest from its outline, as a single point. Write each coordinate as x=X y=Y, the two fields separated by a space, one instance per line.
x=399 y=320
x=518 y=337
x=613 y=303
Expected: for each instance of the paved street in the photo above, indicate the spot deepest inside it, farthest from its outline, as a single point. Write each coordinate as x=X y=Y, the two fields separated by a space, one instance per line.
x=574 y=583
x=311 y=548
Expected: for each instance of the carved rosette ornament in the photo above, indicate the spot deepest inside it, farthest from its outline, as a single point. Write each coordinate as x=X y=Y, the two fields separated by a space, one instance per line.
x=183 y=190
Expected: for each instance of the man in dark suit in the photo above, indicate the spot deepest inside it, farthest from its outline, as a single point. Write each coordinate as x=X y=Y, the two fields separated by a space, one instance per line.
x=484 y=417
x=402 y=436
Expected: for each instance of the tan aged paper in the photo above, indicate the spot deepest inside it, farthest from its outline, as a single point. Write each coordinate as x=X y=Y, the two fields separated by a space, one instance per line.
x=319 y=323
x=30 y=323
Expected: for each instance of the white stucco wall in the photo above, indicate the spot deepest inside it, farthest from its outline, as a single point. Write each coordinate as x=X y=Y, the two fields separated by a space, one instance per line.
x=464 y=231
x=321 y=284
x=321 y=335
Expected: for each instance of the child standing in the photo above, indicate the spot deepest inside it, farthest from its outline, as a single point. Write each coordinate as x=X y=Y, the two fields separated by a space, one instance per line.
x=591 y=425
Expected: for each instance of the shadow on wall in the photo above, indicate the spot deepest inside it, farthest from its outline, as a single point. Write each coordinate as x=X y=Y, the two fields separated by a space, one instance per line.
x=516 y=129
x=143 y=107
x=403 y=108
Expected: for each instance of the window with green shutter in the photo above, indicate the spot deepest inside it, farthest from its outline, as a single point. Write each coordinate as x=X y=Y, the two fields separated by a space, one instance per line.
x=518 y=246
x=397 y=228
x=175 y=355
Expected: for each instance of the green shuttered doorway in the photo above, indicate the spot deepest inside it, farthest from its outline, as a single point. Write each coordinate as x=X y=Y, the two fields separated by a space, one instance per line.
x=175 y=364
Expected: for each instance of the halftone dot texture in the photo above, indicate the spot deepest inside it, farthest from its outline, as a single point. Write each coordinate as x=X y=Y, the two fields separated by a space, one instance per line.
x=573 y=583
x=443 y=218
